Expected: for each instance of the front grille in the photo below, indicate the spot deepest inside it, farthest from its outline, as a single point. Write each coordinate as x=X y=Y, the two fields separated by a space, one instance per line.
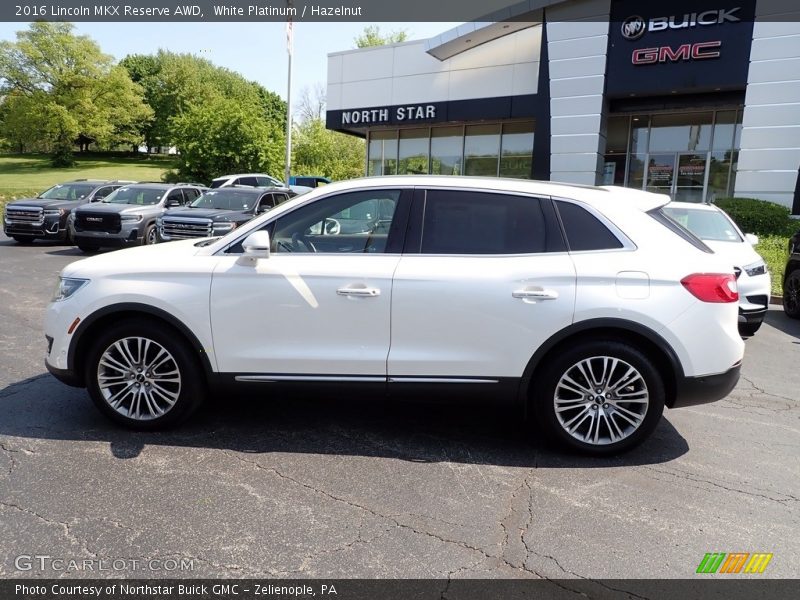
x=25 y=214
x=88 y=221
x=183 y=228
x=737 y=271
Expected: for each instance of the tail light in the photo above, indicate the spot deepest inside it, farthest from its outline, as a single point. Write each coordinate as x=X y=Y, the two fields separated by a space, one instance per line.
x=712 y=287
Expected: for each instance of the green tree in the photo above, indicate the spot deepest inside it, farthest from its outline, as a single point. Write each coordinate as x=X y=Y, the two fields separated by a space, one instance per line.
x=77 y=90
x=320 y=151
x=372 y=36
x=175 y=83
x=223 y=135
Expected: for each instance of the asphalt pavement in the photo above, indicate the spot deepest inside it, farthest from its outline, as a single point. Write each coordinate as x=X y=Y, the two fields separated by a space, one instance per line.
x=267 y=487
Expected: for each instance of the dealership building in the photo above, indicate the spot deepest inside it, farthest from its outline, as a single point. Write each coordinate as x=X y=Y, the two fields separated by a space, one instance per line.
x=699 y=99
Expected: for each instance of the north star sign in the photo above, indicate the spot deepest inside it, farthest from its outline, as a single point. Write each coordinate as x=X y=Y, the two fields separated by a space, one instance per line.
x=369 y=116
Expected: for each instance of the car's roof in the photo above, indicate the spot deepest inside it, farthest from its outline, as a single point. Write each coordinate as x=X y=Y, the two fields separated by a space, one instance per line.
x=245 y=189
x=243 y=175
x=597 y=195
x=694 y=206
x=162 y=186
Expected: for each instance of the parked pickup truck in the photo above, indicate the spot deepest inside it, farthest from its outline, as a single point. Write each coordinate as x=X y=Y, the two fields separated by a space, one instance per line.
x=218 y=211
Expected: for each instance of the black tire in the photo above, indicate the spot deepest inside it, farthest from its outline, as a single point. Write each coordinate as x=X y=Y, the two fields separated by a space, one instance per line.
x=149 y=237
x=748 y=329
x=544 y=388
x=23 y=239
x=141 y=409
x=88 y=249
x=791 y=294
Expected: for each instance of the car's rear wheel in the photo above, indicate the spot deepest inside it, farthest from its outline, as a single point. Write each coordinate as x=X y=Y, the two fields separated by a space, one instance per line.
x=791 y=295
x=143 y=376
x=599 y=397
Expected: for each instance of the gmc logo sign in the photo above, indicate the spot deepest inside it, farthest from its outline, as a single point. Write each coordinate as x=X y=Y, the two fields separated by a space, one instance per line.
x=698 y=51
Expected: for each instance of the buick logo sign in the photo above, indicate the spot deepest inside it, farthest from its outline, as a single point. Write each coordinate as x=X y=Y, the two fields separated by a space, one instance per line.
x=633 y=27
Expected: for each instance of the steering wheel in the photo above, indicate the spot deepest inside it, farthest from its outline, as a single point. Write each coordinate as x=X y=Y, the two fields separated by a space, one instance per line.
x=332 y=227
x=301 y=244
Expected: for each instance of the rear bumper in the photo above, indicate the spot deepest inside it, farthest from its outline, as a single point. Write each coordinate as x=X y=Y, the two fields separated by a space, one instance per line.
x=691 y=391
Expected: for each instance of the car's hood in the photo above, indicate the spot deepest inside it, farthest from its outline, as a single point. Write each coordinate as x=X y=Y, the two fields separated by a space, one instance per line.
x=141 y=259
x=218 y=214
x=109 y=208
x=739 y=253
x=45 y=203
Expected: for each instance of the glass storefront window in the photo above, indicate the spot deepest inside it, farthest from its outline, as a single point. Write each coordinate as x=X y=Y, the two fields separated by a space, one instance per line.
x=640 y=134
x=681 y=132
x=516 y=150
x=617 y=135
x=481 y=149
x=724 y=128
x=447 y=145
x=413 y=152
x=719 y=169
x=382 y=158
x=636 y=164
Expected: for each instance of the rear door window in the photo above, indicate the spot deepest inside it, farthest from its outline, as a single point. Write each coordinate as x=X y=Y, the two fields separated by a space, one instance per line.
x=584 y=230
x=467 y=222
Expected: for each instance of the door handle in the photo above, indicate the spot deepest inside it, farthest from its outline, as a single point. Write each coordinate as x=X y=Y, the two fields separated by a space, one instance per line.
x=364 y=292
x=540 y=294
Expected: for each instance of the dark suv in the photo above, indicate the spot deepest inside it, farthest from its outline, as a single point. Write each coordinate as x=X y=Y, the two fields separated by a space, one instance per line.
x=791 y=279
x=218 y=211
x=45 y=217
x=128 y=216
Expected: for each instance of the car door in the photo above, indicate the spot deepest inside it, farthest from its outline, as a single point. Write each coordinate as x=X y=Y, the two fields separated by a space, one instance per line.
x=484 y=280
x=314 y=310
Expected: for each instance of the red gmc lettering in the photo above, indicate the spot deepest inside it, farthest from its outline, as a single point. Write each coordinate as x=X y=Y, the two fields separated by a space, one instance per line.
x=698 y=51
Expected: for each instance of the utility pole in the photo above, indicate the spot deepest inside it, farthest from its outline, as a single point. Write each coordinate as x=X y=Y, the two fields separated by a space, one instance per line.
x=289 y=47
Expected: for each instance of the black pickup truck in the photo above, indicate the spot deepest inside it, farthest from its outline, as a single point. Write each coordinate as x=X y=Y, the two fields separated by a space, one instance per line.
x=218 y=211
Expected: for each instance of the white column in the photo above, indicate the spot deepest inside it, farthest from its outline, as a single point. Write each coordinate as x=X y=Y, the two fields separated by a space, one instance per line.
x=577 y=44
x=770 y=142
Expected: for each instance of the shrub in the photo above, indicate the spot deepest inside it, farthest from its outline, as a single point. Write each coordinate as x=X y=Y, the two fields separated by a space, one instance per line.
x=759 y=216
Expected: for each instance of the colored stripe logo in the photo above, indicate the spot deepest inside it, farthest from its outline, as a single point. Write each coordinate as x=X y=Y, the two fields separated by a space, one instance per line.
x=734 y=562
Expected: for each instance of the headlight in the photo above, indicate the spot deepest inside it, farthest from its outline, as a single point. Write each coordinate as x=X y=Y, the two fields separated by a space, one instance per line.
x=66 y=287
x=135 y=218
x=224 y=227
x=54 y=211
x=757 y=268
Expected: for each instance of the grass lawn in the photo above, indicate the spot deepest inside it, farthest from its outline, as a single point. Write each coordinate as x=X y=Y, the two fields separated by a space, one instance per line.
x=25 y=175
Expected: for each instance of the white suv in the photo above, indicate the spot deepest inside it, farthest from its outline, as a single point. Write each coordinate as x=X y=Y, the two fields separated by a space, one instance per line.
x=588 y=306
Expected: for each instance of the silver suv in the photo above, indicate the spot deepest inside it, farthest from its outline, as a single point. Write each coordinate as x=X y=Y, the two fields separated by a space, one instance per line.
x=128 y=216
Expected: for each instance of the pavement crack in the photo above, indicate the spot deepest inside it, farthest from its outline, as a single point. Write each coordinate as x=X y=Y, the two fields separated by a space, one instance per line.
x=696 y=479
x=761 y=390
x=65 y=527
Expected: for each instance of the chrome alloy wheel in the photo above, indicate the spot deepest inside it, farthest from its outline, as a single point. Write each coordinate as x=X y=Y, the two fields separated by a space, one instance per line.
x=601 y=400
x=138 y=378
x=151 y=237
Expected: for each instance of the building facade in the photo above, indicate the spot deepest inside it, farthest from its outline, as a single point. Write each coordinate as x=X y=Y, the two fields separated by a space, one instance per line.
x=698 y=99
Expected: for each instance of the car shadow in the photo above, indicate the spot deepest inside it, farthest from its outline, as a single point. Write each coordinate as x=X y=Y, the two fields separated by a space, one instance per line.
x=776 y=318
x=43 y=408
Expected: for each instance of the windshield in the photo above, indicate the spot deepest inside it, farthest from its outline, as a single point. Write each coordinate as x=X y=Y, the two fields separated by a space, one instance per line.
x=708 y=225
x=134 y=195
x=225 y=200
x=67 y=191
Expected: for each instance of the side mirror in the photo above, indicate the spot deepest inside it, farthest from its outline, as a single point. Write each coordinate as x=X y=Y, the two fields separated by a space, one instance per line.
x=751 y=239
x=255 y=246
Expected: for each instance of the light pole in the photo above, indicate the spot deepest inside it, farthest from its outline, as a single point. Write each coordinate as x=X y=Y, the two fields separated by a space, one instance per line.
x=289 y=45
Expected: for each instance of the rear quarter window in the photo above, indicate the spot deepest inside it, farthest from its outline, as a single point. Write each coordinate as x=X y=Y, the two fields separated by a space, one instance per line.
x=585 y=231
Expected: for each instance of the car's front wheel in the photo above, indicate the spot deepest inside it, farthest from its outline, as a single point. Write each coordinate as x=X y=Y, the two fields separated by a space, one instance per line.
x=143 y=376
x=150 y=236
x=791 y=294
x=599 y=397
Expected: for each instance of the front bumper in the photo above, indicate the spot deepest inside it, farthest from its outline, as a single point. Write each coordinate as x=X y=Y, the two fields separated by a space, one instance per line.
x=49 y=229
x=128 y=235
x=691 y=391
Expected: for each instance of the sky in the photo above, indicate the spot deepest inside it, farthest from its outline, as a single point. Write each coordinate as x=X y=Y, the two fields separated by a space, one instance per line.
x=256 y=50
